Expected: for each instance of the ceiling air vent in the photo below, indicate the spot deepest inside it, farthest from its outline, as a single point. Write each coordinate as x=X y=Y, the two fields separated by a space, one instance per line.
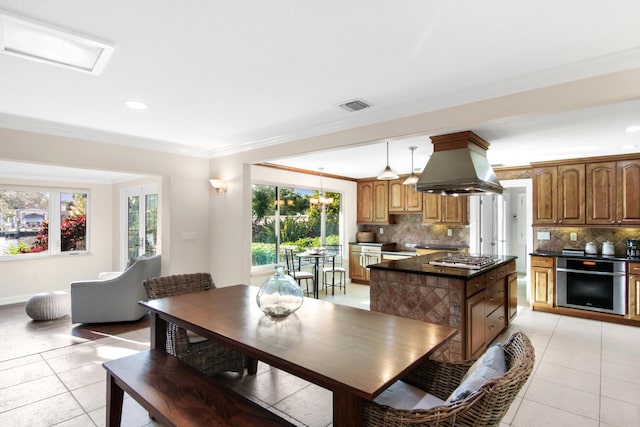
x=355 y=105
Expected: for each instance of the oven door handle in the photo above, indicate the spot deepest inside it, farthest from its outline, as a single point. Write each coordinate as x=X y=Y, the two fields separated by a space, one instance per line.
x=595 y=273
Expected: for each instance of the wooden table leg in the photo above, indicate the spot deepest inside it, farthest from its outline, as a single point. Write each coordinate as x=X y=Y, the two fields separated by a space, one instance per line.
x=158 y=331
x=115 y=395
x=347 y=409
x=252 y=366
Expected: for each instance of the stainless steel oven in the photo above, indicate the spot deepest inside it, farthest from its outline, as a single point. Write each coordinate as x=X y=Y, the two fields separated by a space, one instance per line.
x=589 y=284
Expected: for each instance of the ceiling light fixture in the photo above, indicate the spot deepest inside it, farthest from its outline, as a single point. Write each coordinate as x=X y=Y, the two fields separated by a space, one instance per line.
x=28 y=39
x=387 y=174
x=322 y=199
x=634 y=128
x=136 y=105
x=413 y=178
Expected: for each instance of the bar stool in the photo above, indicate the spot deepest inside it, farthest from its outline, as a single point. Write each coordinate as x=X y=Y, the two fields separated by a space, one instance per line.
x=335 y=269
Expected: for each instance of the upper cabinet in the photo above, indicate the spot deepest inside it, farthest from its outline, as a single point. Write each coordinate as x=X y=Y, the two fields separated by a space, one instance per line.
x=445 y=210
x=613 y=193
x=373 y=203
x=559 y=195
x=403 y=198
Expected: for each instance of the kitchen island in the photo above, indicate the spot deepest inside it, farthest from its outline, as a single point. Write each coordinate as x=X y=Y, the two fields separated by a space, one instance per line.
x=478 y=302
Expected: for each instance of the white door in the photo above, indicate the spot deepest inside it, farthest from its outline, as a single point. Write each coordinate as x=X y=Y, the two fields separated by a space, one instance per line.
x=492 y=224
x=139 y=234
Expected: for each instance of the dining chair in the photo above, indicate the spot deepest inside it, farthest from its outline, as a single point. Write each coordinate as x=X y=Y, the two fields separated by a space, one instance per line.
x=298 y=274
x=207 y=356
x=334 y=268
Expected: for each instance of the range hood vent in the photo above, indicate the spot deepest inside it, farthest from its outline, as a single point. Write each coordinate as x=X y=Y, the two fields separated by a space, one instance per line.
x=459 y=165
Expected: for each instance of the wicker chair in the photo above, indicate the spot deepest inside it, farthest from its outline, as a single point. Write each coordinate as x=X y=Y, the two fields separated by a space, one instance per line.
x=485 y=407
x=207 y=356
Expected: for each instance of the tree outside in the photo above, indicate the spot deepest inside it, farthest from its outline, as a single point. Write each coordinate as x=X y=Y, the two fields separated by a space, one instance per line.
x=290 y=221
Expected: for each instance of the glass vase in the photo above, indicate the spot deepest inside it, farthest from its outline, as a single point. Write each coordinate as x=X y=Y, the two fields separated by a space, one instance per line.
x=280 y=295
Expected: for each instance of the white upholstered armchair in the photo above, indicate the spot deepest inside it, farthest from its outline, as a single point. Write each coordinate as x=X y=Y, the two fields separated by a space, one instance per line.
x=113 y=299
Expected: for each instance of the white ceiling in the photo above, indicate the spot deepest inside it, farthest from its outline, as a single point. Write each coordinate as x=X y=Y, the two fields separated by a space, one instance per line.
x=220 y=76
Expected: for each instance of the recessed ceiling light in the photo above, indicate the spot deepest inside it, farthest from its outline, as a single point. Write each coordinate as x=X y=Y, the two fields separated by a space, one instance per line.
x=27 y=39
x=136 y=105
x=634 y=128
x=629 y=147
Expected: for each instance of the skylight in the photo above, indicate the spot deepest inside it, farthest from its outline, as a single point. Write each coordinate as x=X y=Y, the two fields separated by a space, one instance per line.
x=40 y=42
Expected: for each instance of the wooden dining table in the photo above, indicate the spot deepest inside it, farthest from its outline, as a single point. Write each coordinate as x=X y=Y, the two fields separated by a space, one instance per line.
x=354 y=353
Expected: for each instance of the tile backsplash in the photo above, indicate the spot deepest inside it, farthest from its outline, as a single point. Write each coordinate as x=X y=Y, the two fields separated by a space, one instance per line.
x=408 y=229
x=560 y=238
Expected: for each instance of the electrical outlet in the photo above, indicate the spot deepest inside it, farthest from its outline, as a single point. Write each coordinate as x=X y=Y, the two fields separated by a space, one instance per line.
x=449 y=232
x=381 y=230
x=544 y=235
x=573 y=236
x=409 y=245
x=188 y=236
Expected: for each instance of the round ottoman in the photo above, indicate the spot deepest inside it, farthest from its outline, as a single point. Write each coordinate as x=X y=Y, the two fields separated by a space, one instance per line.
x=48 y=305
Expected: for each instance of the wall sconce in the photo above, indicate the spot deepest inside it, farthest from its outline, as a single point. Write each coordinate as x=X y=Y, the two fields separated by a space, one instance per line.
x=219 y=185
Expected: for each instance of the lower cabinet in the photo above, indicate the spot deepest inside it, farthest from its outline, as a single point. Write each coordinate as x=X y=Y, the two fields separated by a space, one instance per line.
x=634 y=291
x=487 y=307
x=512 y=305
x=542 y=276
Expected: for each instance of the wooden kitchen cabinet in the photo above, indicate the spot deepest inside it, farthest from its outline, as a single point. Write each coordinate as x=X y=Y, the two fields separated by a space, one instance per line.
x=633 y=287
x=628 y=192
x=543 y=286
x=613 y=193
x=373 y=203
x=545 y=187
x=559 y=195
x=512 y=304
x=486 y=308
x=357 y=273
x=444 y=210
x=403 y=198
x=475 y=325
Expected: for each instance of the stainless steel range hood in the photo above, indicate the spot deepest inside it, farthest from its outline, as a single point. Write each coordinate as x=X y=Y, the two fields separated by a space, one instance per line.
x=459 y=165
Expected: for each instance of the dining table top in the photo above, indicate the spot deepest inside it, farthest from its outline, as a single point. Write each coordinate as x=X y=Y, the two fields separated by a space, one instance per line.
x=335 y=346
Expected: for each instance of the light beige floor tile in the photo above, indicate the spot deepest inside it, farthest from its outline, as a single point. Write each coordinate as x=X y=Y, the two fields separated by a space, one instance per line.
x=313 y=405
x=534 y=414
x=54 y=410
x=568 y=359
x=564 y=398
x=620 y=372
x=568 y=377
x=624 y=391
x=30 y=392
x=92 y=396
x=617 y=413
x=20 y=361
x=82 y=421
x=269 y=387
x=620 y=356
x=24 y=373
x=83 y=376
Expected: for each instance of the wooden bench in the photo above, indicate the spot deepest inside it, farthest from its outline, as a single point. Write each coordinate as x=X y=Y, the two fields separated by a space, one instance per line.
x=175 y=394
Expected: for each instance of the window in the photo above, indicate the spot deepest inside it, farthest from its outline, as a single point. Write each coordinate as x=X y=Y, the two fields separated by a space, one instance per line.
x=35 y=221
x=286 y=217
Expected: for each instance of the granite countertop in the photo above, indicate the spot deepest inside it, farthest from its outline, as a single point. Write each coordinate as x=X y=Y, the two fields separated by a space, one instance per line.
x=420 y=265
x=617 y=257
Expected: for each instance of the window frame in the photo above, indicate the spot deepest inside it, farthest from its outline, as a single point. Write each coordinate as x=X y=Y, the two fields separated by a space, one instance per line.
x=54 y=248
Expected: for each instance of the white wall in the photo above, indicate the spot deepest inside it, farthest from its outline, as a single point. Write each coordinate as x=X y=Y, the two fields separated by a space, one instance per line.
x=185 y=202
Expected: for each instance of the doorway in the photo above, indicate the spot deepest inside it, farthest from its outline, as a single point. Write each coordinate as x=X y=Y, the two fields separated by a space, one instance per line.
x=501 y=225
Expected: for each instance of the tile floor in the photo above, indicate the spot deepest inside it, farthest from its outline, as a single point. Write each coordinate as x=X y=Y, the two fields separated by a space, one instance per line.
x=586 y=374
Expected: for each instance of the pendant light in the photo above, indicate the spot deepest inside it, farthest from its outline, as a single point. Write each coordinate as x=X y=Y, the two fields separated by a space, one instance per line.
x=413 y=178
x=387 y=173
x=322 y=199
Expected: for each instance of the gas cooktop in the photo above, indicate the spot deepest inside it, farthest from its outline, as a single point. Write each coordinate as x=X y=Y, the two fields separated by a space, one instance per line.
x=464 y=261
